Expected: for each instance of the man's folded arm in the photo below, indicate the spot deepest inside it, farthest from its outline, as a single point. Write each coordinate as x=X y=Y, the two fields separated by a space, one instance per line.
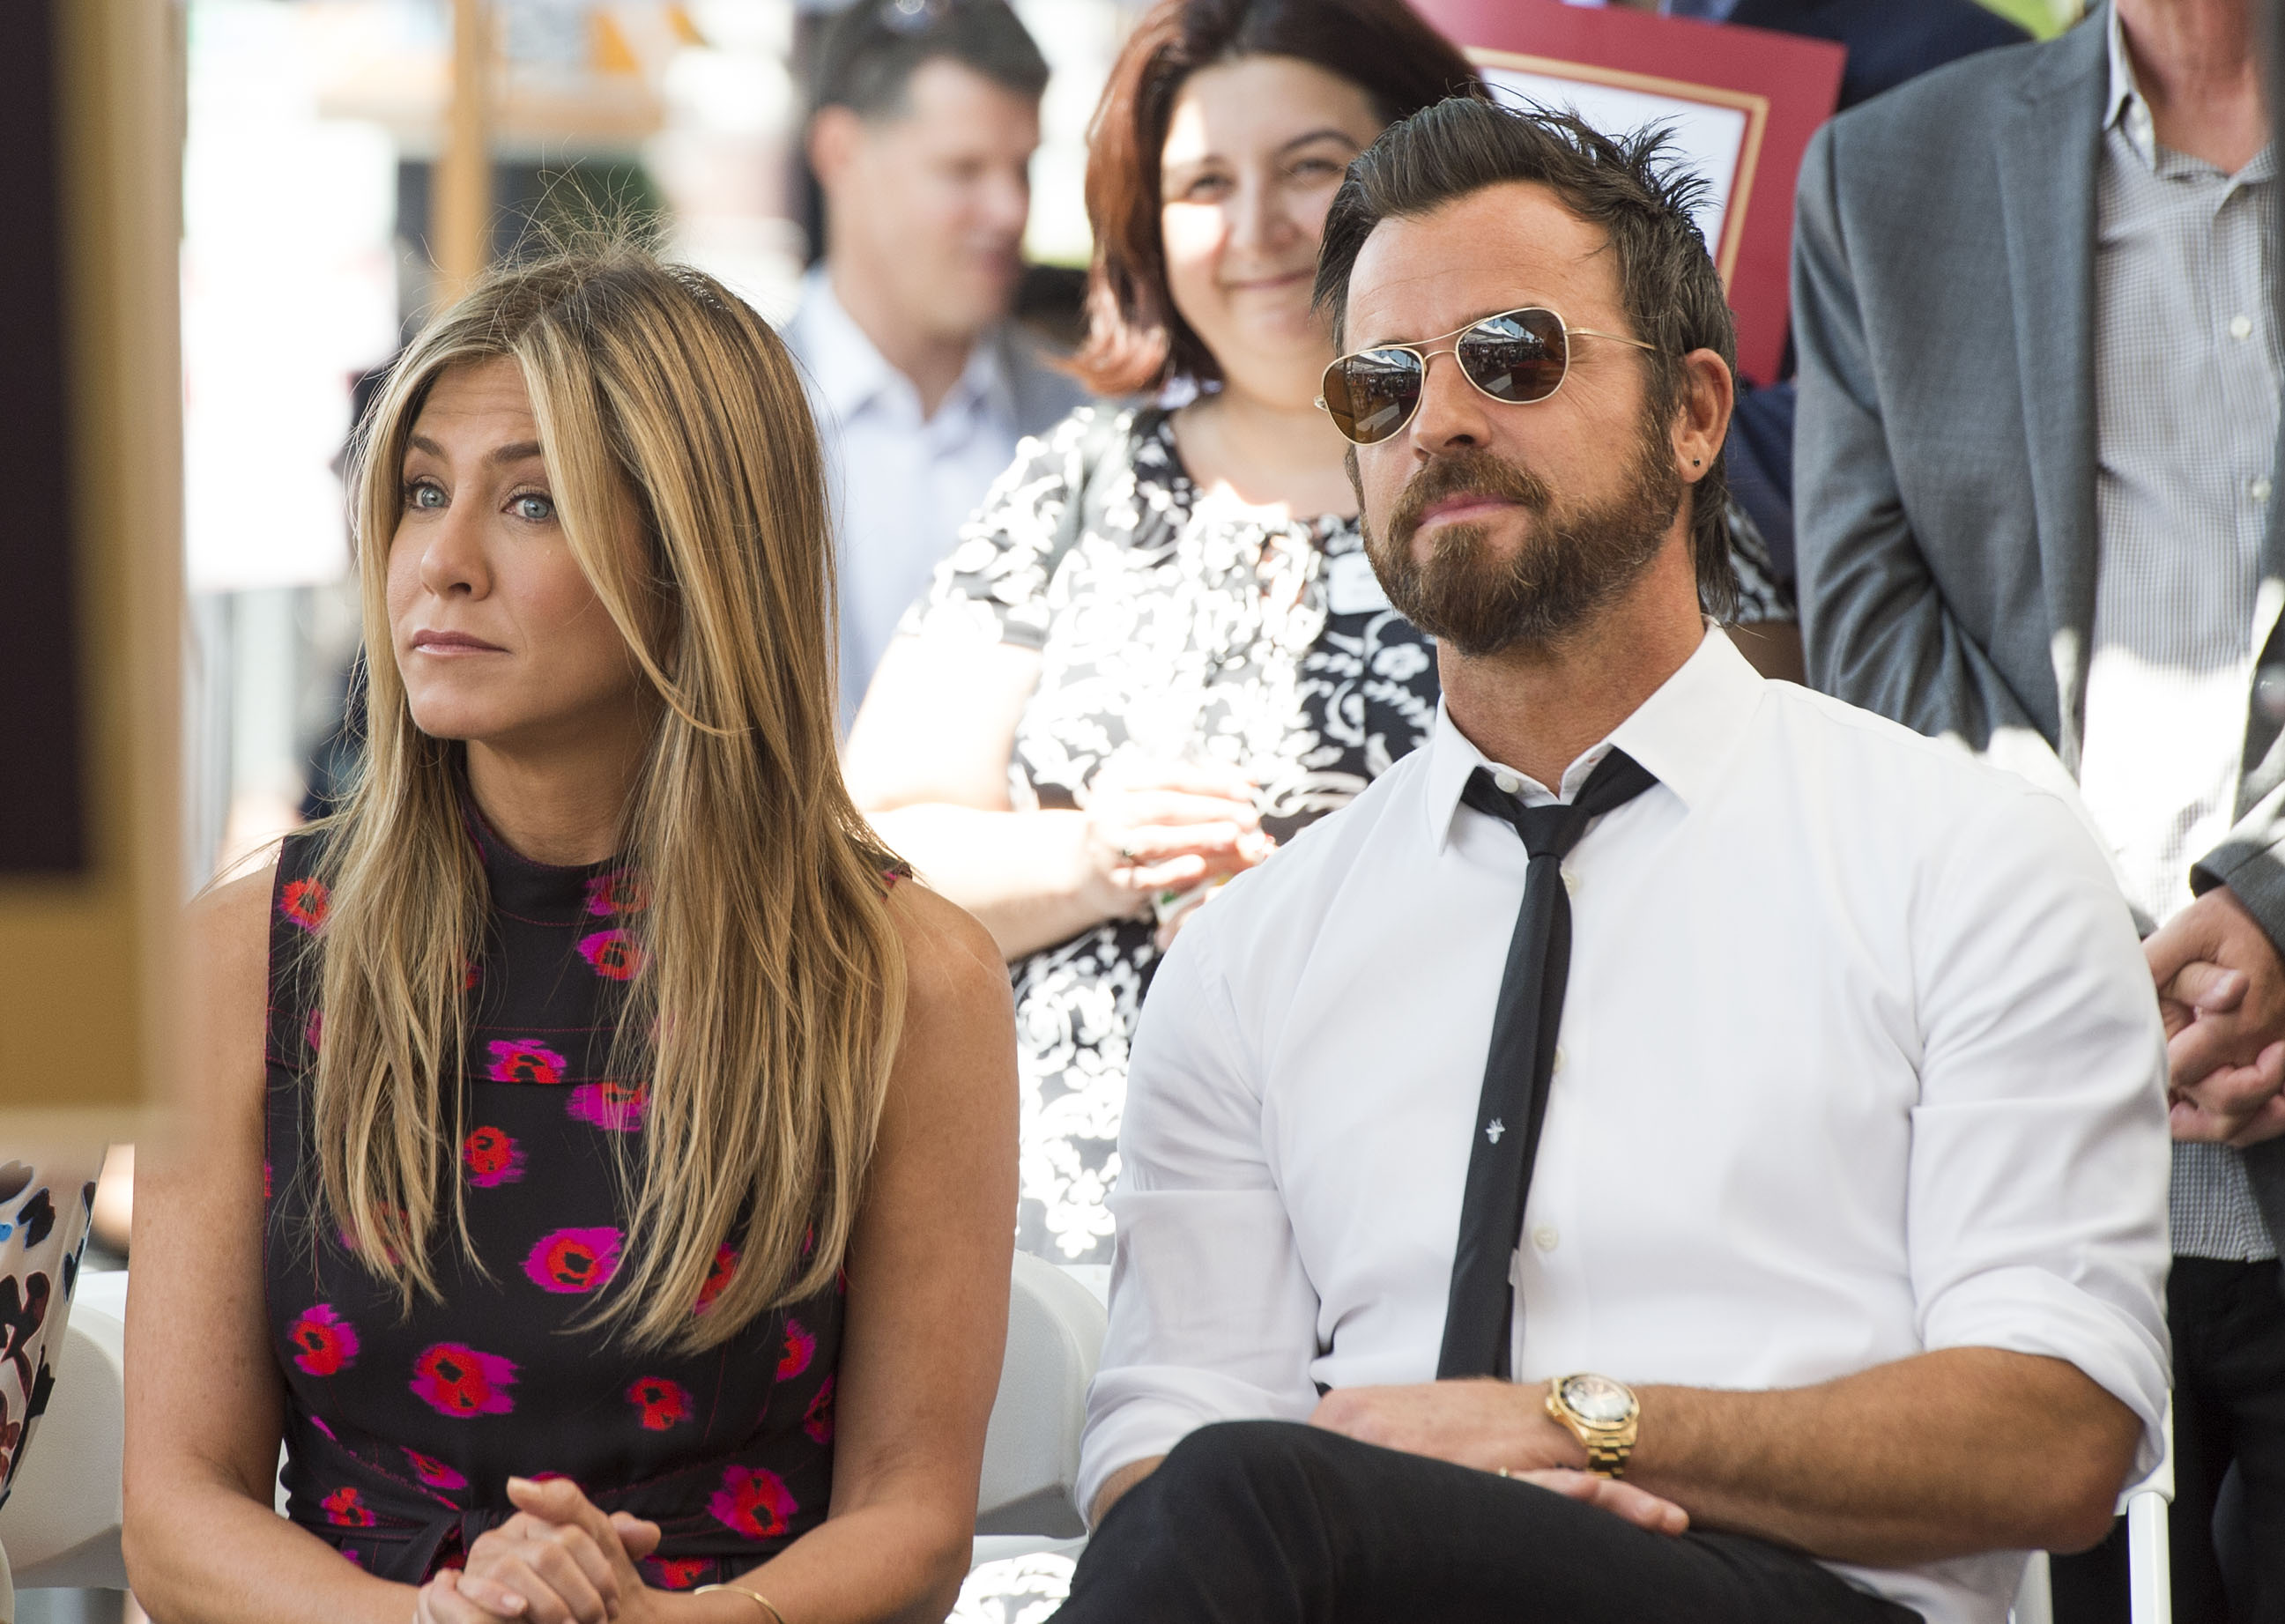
x=1213 y=1317
x=1874 y=624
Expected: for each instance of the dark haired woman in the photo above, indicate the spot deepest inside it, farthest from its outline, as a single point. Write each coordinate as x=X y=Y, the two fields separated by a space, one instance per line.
x=596 y=1159
x=1158 y=647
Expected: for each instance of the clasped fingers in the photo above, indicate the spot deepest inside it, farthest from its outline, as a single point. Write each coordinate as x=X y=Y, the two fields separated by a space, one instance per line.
x=557 y=1570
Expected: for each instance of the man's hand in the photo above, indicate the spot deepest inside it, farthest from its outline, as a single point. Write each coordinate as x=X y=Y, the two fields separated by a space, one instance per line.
x=1490 y=1424
x=2221 y=990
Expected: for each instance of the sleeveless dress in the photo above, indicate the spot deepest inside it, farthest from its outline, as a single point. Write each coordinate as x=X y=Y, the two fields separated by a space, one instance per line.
x=401 y=1431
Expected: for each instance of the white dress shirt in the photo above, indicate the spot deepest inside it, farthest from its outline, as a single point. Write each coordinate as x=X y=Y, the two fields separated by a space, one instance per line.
x=1859 y=1058
x=902 y=483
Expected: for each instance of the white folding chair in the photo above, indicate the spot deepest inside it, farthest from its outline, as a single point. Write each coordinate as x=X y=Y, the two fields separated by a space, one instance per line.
x=2149 y=1568
x=60 y=1527
x=1031 y=1449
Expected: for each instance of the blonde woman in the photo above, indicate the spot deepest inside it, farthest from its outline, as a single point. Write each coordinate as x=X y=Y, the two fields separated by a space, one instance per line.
x=597 y=1160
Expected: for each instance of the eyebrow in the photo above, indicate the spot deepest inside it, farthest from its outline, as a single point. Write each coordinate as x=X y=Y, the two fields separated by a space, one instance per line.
x=500 y=456
x=1327 y=134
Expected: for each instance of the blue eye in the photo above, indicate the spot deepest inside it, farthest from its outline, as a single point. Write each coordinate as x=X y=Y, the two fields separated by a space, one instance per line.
x=423 y=494
x=533 y=509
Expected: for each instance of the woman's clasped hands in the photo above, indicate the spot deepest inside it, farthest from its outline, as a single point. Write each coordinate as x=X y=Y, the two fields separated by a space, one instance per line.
x=559 y=1560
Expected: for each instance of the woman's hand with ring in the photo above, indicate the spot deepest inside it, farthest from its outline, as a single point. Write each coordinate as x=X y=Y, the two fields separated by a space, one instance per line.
x=1149 y=830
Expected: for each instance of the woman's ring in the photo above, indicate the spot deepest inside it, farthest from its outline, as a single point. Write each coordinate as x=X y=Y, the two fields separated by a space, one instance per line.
x=1126 y=854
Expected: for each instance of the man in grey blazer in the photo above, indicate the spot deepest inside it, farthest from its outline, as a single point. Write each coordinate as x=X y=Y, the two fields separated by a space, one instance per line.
x=2040 y=370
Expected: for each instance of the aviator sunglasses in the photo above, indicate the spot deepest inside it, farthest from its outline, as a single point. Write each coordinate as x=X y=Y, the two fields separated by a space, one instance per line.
x=1516 y=356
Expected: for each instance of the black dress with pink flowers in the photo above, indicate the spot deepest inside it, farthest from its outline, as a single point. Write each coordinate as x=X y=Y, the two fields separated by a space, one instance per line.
x=401 y=1430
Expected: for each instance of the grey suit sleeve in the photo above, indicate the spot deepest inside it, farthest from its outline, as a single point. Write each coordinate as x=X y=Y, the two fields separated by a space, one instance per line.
x=1873 y=619
x=2251 y=862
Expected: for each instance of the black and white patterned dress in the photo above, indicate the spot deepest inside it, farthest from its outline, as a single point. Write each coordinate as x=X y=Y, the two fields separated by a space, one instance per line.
x=1178 y=627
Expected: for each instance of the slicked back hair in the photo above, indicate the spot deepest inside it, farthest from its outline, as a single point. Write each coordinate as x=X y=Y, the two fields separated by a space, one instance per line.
x=1637 y=187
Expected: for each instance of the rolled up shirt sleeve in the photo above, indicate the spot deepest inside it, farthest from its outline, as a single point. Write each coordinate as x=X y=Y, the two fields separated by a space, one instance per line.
x=2039 y=1148
x=1212 y=1317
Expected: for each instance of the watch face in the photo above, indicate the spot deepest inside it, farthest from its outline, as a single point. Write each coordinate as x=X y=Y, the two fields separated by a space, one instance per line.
x=1597 y=1401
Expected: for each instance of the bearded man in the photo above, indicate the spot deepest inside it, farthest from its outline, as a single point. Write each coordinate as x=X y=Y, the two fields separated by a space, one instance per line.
x=1677 y=1147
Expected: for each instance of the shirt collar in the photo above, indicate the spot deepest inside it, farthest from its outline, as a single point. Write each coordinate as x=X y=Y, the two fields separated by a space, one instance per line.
x=1684 y=734
x=850 y=373
x=2126 y=101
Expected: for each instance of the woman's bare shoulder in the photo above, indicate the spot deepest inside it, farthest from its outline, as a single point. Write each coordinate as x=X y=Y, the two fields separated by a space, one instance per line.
x=952 y=965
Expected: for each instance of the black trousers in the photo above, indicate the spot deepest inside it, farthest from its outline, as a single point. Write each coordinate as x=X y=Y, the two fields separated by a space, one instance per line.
x=2228 y=1322
x=1268 y=1522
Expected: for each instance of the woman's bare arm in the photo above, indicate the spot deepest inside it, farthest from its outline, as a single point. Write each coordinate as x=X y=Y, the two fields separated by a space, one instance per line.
x=205 y=1399
x=928 y=762
x=928 y=1298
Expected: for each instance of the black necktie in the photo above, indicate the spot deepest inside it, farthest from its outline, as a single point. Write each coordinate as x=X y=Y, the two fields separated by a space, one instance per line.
x=1522 y=1063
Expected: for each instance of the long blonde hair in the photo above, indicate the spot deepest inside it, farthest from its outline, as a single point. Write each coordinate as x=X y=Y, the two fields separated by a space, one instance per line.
x=766 y=1009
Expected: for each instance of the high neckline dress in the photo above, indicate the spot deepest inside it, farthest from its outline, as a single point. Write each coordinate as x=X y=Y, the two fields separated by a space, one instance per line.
x=402 y=1430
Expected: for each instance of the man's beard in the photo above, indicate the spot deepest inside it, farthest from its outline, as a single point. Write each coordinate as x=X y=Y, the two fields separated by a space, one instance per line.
x=1575 y=560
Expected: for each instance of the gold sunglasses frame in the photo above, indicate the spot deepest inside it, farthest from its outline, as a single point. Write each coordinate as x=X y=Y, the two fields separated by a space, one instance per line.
x=1447 y=343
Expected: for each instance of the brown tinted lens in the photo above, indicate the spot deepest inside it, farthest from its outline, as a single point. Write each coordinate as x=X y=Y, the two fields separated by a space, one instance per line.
x=1369 y=394
x=1518 y=358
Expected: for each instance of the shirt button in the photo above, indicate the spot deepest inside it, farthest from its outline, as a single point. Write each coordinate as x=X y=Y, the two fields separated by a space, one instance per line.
x=2240 y=326
x=2261 y=489
x=1558 y=1066
x=1547 y=1237
x=1507 y=782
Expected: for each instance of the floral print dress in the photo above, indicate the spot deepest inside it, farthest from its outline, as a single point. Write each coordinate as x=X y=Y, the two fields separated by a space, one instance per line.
x=401 y=1430
x=1174 y=628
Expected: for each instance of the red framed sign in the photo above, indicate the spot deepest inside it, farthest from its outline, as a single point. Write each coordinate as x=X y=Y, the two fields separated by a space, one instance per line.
x=1742 y=103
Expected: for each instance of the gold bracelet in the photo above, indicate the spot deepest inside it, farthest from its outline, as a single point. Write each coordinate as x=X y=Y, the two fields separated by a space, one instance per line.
x=755 y=1596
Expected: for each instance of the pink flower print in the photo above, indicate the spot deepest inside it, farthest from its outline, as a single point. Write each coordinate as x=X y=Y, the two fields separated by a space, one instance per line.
x=433 y=1471
x=344 y=1509
x=314 y=1030
x=817 y=1420
x=753 y=1500
x=615 y=954
x=619 y=891
x=319 y=1422
x=492 y=1158
x=305 y=902
x=266 y=1180
x=354 y=1559
x=329 y=1342
x=616 y=1108
x=800 y=1348
x=718 y=1277
x=677 y=1573
x=454 y=1379
x=662 y=1403
x=525 y=1060
x=573 y=1260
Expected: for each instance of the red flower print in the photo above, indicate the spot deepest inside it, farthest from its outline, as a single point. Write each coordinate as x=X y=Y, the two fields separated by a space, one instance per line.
x=329 y=1342
x=314 y=1030
x=344 y=1509
x=304 y=902
x=616 y=1108
x=800 y=1348
x=454 y=1379
x=677 y=1573
x=724 y=1264
x=615 y=954
x=662 y=1403
x=525 y=1060
x=817 y=1420
x=434 y=1473
x=492 y=1158
x=573 y=1260
x=753 y=1500
x=470 y=977
x=266 y=1180
x=619 y=891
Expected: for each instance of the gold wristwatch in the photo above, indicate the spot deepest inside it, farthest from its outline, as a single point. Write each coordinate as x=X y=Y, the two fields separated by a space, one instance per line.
x=1602 y=1415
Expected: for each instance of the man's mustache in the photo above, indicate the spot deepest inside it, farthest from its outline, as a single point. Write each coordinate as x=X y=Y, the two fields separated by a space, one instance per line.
x=1476 y=473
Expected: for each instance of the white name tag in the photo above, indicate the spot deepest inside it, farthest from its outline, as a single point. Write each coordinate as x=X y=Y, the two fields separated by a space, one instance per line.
x=1351 y=587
